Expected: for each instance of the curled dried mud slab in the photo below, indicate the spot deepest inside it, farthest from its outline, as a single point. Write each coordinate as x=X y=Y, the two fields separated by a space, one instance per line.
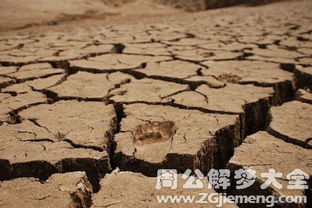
x=61 y=137
x=292 y=122
x=140 y=190
x=61 y=190
x=262 y=151
x=208 y=144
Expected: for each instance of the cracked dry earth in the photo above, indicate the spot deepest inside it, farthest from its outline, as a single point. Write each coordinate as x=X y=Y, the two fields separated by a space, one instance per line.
x=226 y=88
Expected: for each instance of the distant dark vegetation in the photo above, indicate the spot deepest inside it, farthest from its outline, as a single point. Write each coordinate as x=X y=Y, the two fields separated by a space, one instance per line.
x=116 y=3
x=199 y=5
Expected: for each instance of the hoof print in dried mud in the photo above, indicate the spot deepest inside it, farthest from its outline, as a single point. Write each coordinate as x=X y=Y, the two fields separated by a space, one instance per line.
x=154 y=131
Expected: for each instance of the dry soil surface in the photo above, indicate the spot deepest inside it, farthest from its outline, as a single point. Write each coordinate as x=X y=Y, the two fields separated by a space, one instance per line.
x=226 y=88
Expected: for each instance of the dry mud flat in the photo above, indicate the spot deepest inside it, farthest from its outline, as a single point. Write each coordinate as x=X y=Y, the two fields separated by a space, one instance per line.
x=226 y=88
